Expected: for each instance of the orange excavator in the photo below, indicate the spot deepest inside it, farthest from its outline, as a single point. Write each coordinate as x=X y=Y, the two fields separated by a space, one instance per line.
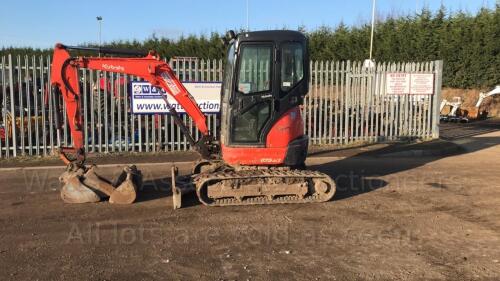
x=259 y=158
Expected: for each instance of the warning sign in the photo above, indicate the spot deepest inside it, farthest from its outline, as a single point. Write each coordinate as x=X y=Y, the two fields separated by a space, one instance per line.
x=397 y=84
x=409 y=84
x=422 y=84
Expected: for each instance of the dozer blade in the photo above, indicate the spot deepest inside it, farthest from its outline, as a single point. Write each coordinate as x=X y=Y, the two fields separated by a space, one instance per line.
x=126 y=185
x=176 y=192
x=74 y=191
x=180 y=186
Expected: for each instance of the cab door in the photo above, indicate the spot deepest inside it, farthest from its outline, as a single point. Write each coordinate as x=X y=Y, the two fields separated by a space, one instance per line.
x=251 y=106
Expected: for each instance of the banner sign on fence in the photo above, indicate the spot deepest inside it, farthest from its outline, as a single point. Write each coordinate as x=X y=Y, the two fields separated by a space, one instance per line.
x=147 y=99
x=409 y=83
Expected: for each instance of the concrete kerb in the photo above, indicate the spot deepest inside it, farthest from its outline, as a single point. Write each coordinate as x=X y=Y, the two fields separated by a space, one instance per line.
x=411 y=150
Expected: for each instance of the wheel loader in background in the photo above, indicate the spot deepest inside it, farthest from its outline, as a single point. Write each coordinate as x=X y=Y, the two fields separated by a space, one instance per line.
x=259 y=158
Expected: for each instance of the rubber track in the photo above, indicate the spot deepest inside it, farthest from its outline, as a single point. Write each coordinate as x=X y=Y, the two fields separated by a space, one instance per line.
x=204 y=178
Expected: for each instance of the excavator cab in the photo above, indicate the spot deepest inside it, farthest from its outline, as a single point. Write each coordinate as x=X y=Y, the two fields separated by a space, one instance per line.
x=263 y=146
x=266 y=79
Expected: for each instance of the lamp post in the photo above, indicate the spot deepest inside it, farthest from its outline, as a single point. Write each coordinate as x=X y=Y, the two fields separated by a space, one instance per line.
x=99 y=19
x=373 y=26
x=369 y=63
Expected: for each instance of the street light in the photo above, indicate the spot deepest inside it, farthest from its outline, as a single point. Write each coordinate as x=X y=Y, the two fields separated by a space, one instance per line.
x=99 y=19
x=370 y=63
x=373 y=26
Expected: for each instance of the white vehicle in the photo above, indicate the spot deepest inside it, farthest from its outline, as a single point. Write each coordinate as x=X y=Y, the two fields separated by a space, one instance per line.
x=452 y=115
x=482 y=95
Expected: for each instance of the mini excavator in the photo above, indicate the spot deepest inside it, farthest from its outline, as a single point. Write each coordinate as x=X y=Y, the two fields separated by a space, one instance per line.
x=260 y=156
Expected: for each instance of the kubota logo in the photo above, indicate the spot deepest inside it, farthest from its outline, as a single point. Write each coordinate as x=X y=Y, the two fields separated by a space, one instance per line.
x=113 y=67
x=170 y=83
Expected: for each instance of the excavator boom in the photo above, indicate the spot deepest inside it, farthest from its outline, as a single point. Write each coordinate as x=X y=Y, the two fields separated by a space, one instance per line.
x=81 y=183
x=64 y=76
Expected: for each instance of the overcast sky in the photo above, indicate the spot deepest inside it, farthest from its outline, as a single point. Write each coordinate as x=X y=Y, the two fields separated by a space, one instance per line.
x=42 y=23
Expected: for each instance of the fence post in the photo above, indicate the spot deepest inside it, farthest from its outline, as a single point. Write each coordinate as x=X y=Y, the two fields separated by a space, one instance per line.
x=12 y=108
x=438 y=70
x=2 y=105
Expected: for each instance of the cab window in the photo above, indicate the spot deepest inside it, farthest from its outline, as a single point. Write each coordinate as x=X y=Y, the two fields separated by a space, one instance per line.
x=292 y=65
x=255 y=69
x=228 y=72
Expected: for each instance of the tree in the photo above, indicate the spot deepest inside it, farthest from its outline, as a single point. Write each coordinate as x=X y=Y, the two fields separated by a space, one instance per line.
x=468 y=44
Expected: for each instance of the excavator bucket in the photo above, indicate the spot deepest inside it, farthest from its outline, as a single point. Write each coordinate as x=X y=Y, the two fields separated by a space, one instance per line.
x=126 y=186
x=74 y=191
x=84 y=185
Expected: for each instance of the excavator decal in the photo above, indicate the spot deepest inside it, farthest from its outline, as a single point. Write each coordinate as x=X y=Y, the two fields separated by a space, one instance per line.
x=170 y=83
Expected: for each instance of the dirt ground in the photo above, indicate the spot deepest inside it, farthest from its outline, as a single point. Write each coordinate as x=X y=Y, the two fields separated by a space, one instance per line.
x=405 y=218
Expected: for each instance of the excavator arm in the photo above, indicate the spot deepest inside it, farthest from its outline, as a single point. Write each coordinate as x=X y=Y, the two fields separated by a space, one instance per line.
x=482 y=95
x=81 y=183
x=64 y=81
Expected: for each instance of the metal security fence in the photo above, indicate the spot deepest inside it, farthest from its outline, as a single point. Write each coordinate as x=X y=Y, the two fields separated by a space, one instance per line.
x=346 y=104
